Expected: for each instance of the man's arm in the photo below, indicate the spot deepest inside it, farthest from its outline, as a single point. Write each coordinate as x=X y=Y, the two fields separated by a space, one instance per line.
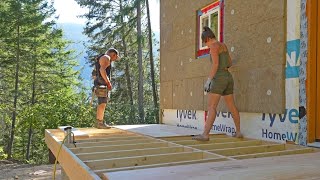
x=104 y=62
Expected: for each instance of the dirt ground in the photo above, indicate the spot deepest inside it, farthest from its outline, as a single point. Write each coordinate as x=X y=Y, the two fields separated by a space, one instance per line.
x=14 y=170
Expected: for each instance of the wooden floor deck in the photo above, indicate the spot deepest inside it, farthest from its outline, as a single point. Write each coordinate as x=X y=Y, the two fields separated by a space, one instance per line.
x=168 y=152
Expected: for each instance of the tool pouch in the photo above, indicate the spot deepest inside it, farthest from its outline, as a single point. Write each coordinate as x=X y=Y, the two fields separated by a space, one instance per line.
x=101 y=91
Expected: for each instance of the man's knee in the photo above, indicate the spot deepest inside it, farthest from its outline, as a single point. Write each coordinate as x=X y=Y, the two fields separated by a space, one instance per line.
x=102 y=105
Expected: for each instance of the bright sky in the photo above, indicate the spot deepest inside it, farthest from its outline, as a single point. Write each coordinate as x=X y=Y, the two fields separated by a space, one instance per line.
x=68 y=10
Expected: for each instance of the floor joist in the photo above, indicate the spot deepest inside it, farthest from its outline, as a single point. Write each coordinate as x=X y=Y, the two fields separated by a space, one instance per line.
x=105 y=148
x=143 y=160
x=129 y=153
x=215 y=140
x=227 y=145
x=275 y=153
x=249 y=149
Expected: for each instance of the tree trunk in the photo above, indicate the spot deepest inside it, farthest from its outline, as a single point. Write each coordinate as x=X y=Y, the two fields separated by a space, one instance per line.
x=154 y=86
x=140 y=83
x=32 y=104
x=15 y=100
x=127 y=69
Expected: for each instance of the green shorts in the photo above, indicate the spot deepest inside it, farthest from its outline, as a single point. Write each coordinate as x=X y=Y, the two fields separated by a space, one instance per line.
x=222 y=84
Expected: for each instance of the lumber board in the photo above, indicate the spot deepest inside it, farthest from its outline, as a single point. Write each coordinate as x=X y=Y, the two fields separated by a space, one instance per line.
x=142 y=160
x=117 y=147
x=226 y=145
x=120 y=142
x=71 y=164
x=129 y=153
x=249 y=149
x=275 y=153
x=211 y=141
x=114 y=138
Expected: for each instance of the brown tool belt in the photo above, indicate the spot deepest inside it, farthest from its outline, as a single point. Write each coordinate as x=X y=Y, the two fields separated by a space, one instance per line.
x=101 y=91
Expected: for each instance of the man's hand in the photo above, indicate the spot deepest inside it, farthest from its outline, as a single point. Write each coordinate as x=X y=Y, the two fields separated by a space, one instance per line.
x=207 y=85
x=109 y=86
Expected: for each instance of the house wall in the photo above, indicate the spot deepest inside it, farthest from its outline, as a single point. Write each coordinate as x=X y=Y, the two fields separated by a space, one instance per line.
x=180 y=109
x=256 y=41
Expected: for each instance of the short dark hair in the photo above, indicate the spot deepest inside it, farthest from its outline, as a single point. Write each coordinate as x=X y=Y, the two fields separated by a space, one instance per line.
x=207 y=33
x=113 y=50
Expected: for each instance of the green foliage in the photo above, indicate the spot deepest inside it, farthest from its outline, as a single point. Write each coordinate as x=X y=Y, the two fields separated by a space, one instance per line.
x=39 y=86
x=38 y=78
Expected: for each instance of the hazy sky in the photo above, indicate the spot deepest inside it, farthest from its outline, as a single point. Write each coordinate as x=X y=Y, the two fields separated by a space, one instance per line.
x=69 y=9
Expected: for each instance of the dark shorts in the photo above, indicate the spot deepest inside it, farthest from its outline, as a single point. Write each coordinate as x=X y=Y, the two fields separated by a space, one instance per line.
x=102 y=100
x=222 y=84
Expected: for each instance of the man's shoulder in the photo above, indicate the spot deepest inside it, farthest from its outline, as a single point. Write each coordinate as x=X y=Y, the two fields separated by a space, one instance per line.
x=104 y=58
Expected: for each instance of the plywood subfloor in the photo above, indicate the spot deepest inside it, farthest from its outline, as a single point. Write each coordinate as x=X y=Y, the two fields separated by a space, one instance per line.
x=292 y=167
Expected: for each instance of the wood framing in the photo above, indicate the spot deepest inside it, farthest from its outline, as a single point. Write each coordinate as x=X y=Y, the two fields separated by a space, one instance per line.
x=122 y=150
x=312 y=69
x=71 y=164
x=129 y=153
x=227 y=145
x=249 y=149
x=274 y=153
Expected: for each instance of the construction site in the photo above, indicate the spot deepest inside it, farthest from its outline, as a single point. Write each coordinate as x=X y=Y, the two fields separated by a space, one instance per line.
x=274 y=46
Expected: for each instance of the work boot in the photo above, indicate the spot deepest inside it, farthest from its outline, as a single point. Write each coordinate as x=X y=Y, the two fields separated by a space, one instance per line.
x=101 y=125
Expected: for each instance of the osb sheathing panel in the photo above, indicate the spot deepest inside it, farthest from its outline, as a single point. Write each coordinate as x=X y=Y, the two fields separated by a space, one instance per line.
x=256 y=31
x=166 y=95
x=178 y=94
x=195 y=93
x=181 y=64
x=188 y=93
x=247 y=30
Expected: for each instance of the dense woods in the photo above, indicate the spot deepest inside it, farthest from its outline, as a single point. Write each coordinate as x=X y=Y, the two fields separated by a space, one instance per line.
x=40 y=87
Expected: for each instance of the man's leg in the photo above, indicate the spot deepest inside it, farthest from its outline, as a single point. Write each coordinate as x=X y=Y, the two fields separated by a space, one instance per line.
x=102 y=103
x=100 y=111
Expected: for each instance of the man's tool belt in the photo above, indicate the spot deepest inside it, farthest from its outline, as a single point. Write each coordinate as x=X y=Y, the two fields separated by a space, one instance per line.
x=101 y=91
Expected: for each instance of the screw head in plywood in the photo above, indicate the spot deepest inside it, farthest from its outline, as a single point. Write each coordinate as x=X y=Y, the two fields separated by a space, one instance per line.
x=232 y=49
x=191 y=93
x=181 y=63
x=190 y=31
x=164 y=41
x=269 y=40
x=182 y=32
x=269 y=92
x=174 y=94
x=176 y=6
x=232 y=12
x=164 y=68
